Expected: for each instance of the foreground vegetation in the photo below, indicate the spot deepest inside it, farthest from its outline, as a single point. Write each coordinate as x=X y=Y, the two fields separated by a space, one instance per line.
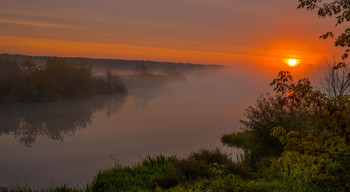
x=202 y=171
x=300 y=136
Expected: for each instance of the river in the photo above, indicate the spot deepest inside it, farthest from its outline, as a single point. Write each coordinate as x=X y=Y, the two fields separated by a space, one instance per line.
x=68 y=142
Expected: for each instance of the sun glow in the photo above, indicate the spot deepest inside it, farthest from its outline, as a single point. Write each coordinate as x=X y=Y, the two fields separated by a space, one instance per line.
x=292 y=62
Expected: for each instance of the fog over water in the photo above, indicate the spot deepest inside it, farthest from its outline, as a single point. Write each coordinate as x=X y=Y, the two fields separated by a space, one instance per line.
x=67 y=142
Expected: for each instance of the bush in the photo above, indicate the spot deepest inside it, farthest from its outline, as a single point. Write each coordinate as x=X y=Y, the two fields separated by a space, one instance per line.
x=210 y=157
x=143 y=176
x=239 y=139
x=190 y=169
x=289 y=107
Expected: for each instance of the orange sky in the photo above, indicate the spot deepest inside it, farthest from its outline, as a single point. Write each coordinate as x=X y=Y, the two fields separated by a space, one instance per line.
x=256 y=33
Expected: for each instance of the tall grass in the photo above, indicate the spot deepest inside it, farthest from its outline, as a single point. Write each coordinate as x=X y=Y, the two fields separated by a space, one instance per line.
x=141 y=176
x=210 y=170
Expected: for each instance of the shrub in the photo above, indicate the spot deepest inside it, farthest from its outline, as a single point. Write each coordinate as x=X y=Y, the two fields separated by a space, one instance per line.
x=190 y=169
x=239 y=139
x=211 y=156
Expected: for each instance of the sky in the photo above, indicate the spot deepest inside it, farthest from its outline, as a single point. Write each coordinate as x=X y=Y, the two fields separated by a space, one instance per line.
x=229 y=32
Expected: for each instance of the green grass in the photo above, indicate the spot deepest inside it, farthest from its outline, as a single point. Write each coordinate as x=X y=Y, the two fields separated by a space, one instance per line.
x=142 y=176
x=206 y=170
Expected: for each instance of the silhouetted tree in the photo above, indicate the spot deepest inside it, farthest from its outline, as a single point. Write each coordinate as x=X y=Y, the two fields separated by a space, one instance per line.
x=172 y=73
x=141 y=69
x=29 y=66
x=338 y=8
x=337 y=80
x=10 y=76
x=58 y=79
x=114 y=83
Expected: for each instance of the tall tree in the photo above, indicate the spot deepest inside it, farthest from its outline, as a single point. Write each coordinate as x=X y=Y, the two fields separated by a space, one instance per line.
x=341 y=10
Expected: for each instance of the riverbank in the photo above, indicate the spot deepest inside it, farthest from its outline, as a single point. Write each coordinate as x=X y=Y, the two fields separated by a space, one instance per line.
x=206 y=170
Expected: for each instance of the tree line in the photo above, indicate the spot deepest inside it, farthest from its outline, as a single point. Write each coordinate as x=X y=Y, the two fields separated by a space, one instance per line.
x=58 y=79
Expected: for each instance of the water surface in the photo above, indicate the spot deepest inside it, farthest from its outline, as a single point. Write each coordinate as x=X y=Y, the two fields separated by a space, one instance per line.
x=67 y=142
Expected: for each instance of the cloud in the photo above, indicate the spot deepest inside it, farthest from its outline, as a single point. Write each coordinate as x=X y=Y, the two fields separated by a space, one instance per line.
x=33 y=23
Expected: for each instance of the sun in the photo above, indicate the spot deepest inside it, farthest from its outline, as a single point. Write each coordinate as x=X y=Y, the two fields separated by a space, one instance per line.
x=292 y=62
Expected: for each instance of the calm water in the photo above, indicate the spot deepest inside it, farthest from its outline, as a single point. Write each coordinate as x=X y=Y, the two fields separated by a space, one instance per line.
x=68 y=142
